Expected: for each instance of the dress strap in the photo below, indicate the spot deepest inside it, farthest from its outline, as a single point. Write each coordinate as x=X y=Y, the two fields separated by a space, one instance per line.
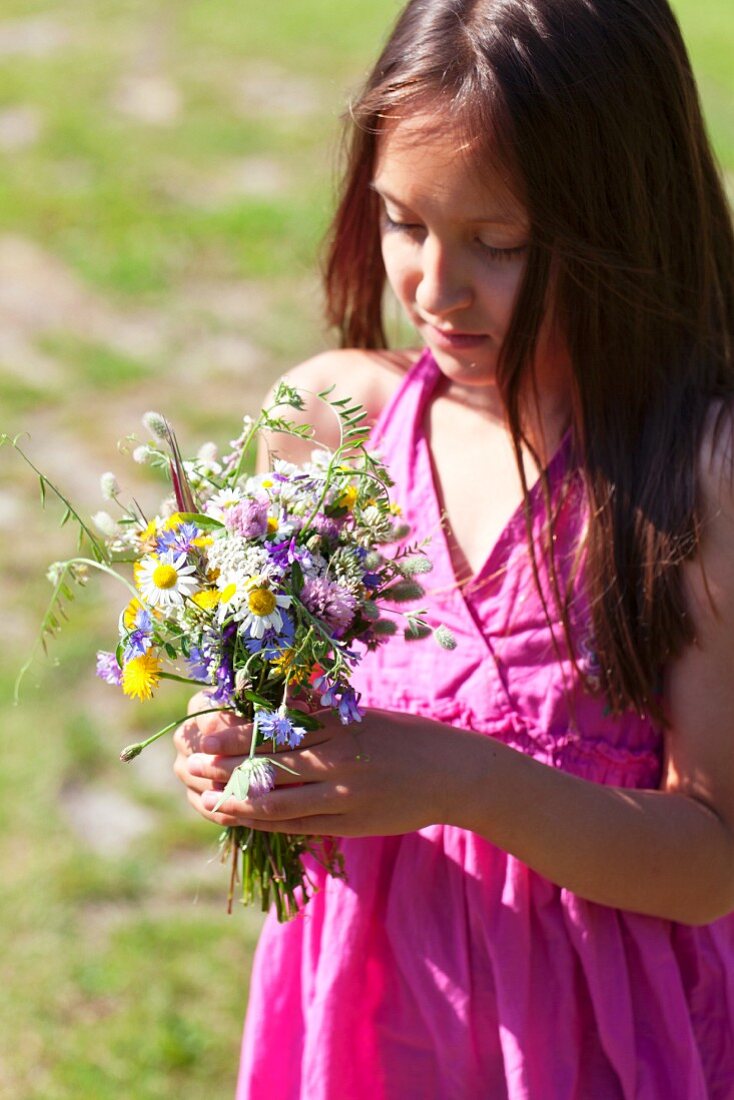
x=403 y=413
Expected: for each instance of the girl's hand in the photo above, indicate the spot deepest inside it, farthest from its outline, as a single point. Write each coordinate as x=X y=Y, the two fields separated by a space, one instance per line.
x=389 y=774
x=195 y=737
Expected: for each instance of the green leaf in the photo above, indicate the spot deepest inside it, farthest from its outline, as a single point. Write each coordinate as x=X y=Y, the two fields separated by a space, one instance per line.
x=297 y=575
x=205 y=522
x=170 y=651
x=301 y=718
x=253 y=697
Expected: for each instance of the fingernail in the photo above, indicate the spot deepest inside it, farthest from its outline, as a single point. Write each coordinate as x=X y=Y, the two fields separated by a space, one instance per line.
x=209 y=799
x=211 y=744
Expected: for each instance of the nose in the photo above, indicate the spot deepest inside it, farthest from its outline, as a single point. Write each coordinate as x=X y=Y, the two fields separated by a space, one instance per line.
x=444 y=286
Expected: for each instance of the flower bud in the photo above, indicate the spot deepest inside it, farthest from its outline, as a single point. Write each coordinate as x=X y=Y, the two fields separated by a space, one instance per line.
x=156 y=424
x=104 y=522
x=444 y=637
x=131 y=752
x=143 y=454
x=109 y=485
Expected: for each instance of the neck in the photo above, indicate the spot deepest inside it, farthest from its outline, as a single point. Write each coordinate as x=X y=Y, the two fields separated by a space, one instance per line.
x=545 y=415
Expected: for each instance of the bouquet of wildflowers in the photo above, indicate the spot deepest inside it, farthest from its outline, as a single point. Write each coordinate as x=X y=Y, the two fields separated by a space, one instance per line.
x=264 y=590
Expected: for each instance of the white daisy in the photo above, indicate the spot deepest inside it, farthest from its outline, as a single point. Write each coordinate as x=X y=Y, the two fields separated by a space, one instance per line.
x=165 y=580
x=218 y=504
x=232 y=593
x=261 y=609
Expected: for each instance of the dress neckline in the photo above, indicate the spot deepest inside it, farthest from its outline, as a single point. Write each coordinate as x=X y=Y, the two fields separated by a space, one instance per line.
x=493 y=562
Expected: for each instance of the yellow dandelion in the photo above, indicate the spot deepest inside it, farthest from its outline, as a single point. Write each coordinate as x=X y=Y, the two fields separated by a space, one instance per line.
x=147 y=535
x=202 y=541
x=206 y=599
x=130 y=613
x=140 y=676
x=284 y=665
x=173 y=522
x=348 y=497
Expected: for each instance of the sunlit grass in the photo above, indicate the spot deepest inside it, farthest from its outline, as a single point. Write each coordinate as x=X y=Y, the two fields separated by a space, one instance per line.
x=122 y=976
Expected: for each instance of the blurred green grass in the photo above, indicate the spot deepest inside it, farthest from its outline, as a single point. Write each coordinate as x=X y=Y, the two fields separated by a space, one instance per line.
x=151 y=260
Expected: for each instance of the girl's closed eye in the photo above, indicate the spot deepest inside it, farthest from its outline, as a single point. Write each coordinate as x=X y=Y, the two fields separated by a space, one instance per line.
x=396 y=225
x=495 y=252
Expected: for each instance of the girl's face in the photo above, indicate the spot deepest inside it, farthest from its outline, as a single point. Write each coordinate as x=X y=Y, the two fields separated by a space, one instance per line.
x=454 y=248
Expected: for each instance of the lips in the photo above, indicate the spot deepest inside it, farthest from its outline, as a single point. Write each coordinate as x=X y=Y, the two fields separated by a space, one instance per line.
x=454 y=341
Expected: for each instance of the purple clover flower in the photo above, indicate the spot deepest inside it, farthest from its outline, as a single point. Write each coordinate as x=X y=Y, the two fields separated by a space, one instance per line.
x=260 y=775
x=108 y=668
x=277 y=726
x=327 y=527
x=330 y=602
x=249 y=519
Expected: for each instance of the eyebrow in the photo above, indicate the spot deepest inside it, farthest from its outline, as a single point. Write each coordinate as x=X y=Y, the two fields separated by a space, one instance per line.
x=479 y=220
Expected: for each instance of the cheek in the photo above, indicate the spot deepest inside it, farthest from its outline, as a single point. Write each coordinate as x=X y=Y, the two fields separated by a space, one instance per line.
x=400 y=267
x=500 y=285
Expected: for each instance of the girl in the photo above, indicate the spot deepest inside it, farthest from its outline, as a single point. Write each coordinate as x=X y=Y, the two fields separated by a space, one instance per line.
x=538 y=827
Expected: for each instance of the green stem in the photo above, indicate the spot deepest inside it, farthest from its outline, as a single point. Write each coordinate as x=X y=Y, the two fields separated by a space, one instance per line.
x=132 y=751
x=183 y=679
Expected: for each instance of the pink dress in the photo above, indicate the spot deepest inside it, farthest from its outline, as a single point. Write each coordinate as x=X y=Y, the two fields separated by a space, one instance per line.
x=445 y=969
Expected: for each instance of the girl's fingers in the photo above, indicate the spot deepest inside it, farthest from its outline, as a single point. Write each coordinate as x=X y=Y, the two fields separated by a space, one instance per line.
x=198 y=702
x=218 y=819
x=282 y=804
x=305 y=763
x=187 y=738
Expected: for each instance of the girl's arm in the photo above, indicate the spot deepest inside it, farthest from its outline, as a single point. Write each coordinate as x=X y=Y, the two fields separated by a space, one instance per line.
x=668 y=853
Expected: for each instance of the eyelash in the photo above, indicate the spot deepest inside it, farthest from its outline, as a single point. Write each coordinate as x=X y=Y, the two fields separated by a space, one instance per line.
x=490 y=250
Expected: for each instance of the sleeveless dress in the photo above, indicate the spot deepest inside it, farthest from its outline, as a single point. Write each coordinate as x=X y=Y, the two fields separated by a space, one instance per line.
x=443 y=968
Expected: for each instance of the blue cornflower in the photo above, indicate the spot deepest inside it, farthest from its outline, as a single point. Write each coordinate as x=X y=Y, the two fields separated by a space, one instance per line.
x=277 y=726
x=139 y=639
x=179 y=539
x=273 y=642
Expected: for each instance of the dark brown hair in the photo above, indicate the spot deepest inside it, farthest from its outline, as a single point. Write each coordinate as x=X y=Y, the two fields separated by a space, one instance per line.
x=590 y=109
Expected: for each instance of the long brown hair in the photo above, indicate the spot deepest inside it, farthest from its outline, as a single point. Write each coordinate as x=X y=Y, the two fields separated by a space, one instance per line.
x=590 y=109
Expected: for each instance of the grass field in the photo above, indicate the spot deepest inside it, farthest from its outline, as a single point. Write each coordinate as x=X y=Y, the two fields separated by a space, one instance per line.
x=167 y=175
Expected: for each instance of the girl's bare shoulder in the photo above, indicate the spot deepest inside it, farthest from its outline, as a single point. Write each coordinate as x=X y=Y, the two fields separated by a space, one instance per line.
x=368 y=378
